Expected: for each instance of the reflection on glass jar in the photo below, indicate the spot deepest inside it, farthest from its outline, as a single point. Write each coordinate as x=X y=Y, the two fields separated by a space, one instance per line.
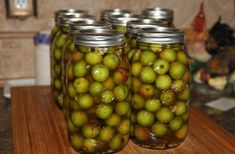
x=160 y=89
x=98 y=83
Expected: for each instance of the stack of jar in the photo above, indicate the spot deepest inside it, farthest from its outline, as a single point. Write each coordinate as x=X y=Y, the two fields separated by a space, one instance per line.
x=126 y=76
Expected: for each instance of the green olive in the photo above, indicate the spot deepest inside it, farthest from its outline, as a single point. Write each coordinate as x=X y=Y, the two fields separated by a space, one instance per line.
x=152 y=105
x=60 y=42
x=113 y=120
x=184 y=95
x=147 y=90
x=168 y=54
x=155 y=47
x=167 y=98
x=80 y=68
x=176 y=123
x=145 y=118
x=90 y=130
x=180 y=108
x=122 y=108
x=106 y=134
x=107 y=96
x=161 y=66
x=85 y=101
x=121 y=92
x=141 y=133
x=124 y=127
x=181 y=57
x=130 y=54
x=182 y=132
x=177 y=70
x=89 y=145
x=133 y=43
x=185 y=117
x=164 y=115
x=71 y=90
x=116 y=142
x=81 y=85
x=148 y=75
x=136 y=68
x=74 y=105
x=137 y=101
x=76 y=141
x=104 y=111
x=111 y=61
x=71 y=127
x=57 y=69
x=96 y=88
x=79 y=118
x=100 y=72
x=163 y=82
x=93 y=58
x=177 y=85
x=159 y=129
x=58 y=84
x=84 y=48
x=147 y=57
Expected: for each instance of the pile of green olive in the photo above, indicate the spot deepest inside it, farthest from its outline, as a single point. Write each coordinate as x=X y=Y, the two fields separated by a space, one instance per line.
x=98 y=99
x=58 y=43
x=160 y=87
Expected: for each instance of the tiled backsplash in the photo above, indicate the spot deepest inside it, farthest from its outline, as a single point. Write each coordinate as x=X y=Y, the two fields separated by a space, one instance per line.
x=17 y=56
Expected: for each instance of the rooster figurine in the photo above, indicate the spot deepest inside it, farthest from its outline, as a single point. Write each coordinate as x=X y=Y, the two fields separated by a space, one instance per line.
x=196 y=36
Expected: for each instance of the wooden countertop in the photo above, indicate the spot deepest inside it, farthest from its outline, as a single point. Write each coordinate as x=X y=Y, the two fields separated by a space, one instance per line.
x=39 y=128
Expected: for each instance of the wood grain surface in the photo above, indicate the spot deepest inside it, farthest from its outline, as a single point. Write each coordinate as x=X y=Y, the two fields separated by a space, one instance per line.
x=39 y=128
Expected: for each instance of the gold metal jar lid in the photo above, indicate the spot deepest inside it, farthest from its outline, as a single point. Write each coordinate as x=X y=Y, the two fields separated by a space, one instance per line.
x=160 y=35
x=158 y=13
x=134 y=26
x=106 y=14
x=99 y=38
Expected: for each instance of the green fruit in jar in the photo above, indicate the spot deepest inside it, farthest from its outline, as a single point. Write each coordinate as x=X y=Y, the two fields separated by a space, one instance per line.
x=57 y=69
x=104 y=111
x=185 y=116
x=71 y=90
x=167 y=98
x=163 y=82
x=78 y=56
x=93 y=58
x=155 y=47
x=181 y=57
x=76 y=141
x=71 y=47
x=147 y=57
x=136 y=68
x=111 y=49
x=108 y=84
x=148 y=75
x=147 y=90
x=71 y=127
x=89 y=145
x=58 y=84
x=182 y=132
x=159 y=129
x=137 y=101
x=96 y=88
x=116 y=142
x=124 y=127
x=80 y=68
x=107 y=96
x=130 y=54
x=121 y=29
x=106 y=134
x=176 y=123
x=60 y=42
x=60 y=99
x=136 y=83
x=90 y=130
x=111 y=61
x=81 y=85
x=70 y=71
x=168 y=54
x=161 y=66
x=164 y=115
x=74 y=105
x=84 y=48
x=177 y=70
x=184 y=95
x=121 y=92
x=79 y=118
x=85 y=101
x=141 y=133
x=180 y=108
x=113 y=120
x=136 y=55
x=145 y=118
x=121 y=76
x=100 y=72
x=152 y=105
x=133 y=43
x=177 y=86
x=122 y=108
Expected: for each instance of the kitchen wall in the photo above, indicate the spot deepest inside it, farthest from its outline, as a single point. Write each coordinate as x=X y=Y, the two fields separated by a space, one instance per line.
x=16 y=36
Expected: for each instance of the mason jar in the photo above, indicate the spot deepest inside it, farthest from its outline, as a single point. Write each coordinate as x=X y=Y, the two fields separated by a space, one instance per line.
x=106 y=14
x=98 y=83
x=68 y=49
x=131 y=32
x=160 y=89
x=161 y=14
x=61 y=13
x=119 y=22
x=56 y=46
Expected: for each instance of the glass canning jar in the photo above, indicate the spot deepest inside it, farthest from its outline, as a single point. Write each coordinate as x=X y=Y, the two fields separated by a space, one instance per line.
x=61 y=13
x=119 y=22
x=106 y=14
x=161 y=14
x=131 y=32
x=160 y=89
x=56 y=46
x=98 y=92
